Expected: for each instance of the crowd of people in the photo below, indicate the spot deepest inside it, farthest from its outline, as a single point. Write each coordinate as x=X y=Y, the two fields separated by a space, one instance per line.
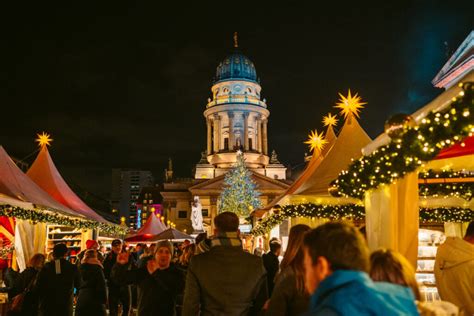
x=323 y=271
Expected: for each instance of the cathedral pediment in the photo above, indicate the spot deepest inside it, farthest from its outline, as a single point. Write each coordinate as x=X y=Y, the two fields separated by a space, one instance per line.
x=215 y=186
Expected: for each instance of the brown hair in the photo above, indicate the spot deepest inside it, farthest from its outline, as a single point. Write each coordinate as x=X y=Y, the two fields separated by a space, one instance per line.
x=188 y=252
x=227 y=222
x=294 y=254
x=37 y=261
x=391 y=266
x=341 y=244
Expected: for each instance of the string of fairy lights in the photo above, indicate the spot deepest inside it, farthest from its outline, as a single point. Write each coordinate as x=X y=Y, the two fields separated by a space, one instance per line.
x=39 y=215
x=409 y=147
x=352 y=212
x=413 y=146
x=45 y=216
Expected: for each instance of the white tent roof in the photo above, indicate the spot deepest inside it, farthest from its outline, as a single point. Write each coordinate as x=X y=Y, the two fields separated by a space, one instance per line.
x=16 y=185
x=45 y=174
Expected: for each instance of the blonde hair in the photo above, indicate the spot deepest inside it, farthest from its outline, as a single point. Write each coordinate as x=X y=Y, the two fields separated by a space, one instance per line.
x=294 y=254
x=390 y=266
x=187 y=254
x=37 y=261
x=90 y=254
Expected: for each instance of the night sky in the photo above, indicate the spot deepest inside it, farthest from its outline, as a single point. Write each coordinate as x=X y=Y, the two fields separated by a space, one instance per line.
x=125 y=86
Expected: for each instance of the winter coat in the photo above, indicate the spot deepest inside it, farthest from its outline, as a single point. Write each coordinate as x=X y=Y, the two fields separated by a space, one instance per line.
x=25 y=280
x=272 y=265
x=353 y=293
x=92 y=293
x=157 y=292
x=454 y=272
x=225 y=281
x=55 y=288
x=286 y=298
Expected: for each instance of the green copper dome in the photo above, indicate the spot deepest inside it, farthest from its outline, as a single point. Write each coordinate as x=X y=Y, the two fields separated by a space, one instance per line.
x=236 y=66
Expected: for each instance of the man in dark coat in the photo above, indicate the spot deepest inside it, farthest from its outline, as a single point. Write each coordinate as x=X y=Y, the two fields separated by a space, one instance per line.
x=159 y=281
x=226 y=280
x=117 y=293
x=272 y=264
x=55 y=284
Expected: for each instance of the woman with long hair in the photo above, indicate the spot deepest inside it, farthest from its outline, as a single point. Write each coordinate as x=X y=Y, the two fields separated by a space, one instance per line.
x=289 y=296
x=390 y=266
x=92 y=293
x=25 y=284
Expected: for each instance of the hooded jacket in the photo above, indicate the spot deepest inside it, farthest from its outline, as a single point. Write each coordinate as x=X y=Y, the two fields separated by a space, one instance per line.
x=347 y=292
x=454 y=272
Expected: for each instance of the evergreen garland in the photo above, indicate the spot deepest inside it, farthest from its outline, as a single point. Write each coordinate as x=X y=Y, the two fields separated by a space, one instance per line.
x=354 y=212
x=44 y=216
x=421 y=143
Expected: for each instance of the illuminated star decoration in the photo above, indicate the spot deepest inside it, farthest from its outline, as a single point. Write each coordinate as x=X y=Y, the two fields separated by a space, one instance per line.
x=316 y=141
x=330 y=120
x=44 y=140
x=350 y=104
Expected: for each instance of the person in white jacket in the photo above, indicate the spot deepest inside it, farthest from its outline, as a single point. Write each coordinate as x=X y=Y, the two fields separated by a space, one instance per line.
x=454 y=271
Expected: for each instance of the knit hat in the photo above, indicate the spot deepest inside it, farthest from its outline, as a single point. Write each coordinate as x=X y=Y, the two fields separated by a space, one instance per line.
x=91 y=243
x=164 y=243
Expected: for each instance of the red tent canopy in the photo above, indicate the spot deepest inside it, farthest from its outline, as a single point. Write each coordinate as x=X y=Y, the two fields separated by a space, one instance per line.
x=466 y=147
x=45 y=174
x=153 y=226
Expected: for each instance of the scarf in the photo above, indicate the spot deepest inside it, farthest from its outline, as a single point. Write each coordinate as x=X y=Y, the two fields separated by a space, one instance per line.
x=226 y=239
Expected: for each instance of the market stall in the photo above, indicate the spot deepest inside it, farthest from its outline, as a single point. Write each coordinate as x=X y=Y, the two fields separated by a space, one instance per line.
x=152 y=227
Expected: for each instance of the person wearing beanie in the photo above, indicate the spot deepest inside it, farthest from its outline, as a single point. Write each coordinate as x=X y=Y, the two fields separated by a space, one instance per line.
x=159 y=281
x=55 y=284
x=90 y=244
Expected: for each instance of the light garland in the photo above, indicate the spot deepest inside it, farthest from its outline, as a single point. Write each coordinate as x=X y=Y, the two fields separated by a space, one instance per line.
x=421 y=143
x=309 y=210
x=41 y=216
x=5 y=251
x=354 y=212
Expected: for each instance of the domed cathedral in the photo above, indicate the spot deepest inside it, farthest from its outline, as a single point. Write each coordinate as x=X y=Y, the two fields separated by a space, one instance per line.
x=237 y=120
x=236 y=117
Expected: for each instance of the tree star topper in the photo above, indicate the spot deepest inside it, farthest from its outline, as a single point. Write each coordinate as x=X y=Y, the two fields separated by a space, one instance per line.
x=350 y=104
x=330 y=120
x=44 y=139
x=316 y=141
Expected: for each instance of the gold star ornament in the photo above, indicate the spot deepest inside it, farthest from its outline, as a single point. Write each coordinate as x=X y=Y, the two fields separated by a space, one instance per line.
x=350 y=104
x=44 y=139
x=316 y=141
x=330 y=120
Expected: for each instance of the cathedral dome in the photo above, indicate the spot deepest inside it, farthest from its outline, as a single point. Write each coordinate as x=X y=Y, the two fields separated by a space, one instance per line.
x=236 y=66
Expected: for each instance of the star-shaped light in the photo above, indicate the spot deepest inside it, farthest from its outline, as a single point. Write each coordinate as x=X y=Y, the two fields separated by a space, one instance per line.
x=330 y=120
x=44 y=139
x=350 y=104
x=316 y=141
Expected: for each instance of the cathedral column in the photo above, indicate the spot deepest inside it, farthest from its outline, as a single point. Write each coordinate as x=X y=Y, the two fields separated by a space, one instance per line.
x=209 y=136
x=246 y=131
x=259 y=134
x=265 y=137
x=231 y=131
x=217 y=132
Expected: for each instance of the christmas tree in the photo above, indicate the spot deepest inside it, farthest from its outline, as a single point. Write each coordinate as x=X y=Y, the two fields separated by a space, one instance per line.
x=240 y=195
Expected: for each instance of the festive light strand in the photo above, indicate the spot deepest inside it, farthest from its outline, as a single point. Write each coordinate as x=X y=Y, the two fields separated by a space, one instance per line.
x=41 y=216
x=354 y=212
x=418 y=144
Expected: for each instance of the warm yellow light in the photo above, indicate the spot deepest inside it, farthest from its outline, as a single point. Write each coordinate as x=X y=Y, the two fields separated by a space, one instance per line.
x=44 y=139
x=316 y=141
x=350 y=104
x=330 y=120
